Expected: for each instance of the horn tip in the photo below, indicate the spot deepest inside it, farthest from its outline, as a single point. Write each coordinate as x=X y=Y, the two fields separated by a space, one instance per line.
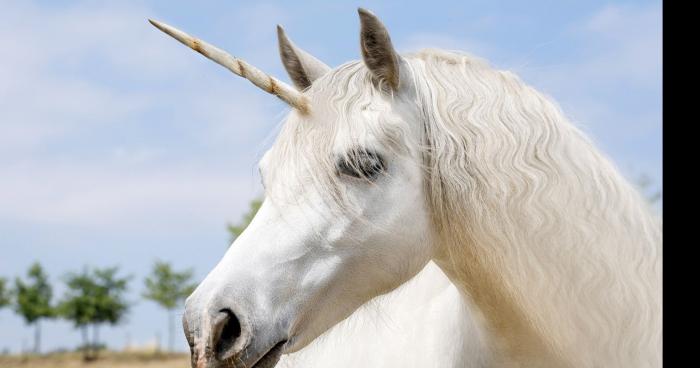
x=157 y=24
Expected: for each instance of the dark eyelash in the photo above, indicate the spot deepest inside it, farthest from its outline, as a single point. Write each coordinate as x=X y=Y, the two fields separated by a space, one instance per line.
x=361 y=164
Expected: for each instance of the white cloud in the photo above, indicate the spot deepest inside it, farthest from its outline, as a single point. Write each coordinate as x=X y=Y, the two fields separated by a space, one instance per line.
x=617 y=44
x=120 y=197
x=77 y=72
x=47 y=90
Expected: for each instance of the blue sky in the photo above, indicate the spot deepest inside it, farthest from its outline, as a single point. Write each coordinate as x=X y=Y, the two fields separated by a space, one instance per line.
x=119 y=146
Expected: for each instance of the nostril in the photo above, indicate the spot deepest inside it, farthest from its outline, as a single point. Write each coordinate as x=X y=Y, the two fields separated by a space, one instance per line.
x=232 y=327
x=229 y=329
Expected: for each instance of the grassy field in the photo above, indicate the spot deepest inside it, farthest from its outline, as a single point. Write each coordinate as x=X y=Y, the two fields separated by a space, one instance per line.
x=106 y=360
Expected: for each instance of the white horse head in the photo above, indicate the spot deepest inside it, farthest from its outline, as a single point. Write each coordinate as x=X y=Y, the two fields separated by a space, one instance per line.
x=390 y=162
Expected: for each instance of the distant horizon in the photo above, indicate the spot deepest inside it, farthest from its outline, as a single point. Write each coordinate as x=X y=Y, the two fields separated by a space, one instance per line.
x=118 y=146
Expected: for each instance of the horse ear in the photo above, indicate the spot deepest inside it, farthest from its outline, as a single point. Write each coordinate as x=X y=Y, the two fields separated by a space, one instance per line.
x=302 y=68
x=377 y=51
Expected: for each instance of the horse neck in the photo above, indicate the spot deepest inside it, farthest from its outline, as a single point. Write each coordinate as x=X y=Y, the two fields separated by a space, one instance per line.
x=554 y=247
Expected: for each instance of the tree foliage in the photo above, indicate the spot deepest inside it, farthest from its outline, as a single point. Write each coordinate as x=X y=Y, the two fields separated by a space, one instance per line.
x=33 y=297
x=5 y=298
x=236 y=230
x=78 y=304
x=650 y=191
x=112 y=306
x=168 y=287
x=94 y=298
x=33 y=300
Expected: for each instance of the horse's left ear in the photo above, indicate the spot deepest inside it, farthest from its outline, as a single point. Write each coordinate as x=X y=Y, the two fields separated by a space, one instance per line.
x=301 y=66
x=377 y=51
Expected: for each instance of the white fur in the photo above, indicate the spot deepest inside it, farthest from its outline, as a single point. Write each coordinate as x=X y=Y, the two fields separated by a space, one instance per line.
x=424 y=323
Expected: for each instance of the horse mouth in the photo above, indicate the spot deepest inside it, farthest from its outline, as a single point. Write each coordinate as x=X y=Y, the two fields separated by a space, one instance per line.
x=270 y=359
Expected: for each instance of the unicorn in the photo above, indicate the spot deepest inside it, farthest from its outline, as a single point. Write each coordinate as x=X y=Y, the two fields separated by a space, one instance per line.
x=427 y=311
x=388 y=163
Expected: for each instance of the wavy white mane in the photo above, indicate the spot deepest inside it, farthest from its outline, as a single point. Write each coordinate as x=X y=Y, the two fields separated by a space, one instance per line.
x=557 y=250
x=538 y=212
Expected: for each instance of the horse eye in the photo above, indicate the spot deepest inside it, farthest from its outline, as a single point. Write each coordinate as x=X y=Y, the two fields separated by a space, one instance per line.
x=361 y=164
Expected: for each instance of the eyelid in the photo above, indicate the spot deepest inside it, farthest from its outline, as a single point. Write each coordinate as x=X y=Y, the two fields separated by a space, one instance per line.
x=361 y=164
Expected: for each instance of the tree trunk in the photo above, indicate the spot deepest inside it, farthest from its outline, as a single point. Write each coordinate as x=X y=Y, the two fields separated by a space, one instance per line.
x=171 y=338
x=86 y=342
x=95 y=339
x=37 y=338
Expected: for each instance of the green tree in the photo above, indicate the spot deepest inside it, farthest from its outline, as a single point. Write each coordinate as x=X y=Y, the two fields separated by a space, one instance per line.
x=33 y=300
x=79 y=306
x=168 y=288
x=236 y=230
x=5 y=298
x=112 y=305
x=94 y=298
